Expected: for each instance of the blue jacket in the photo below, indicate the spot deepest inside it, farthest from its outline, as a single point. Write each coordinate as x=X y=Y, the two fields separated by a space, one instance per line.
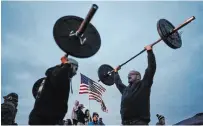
x=93 y=123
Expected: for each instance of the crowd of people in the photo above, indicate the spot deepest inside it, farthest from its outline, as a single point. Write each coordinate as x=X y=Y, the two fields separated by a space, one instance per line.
x=84 y=118
x=78 y=116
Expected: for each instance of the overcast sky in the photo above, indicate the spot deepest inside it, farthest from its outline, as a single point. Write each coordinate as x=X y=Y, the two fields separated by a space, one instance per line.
x=28 y=49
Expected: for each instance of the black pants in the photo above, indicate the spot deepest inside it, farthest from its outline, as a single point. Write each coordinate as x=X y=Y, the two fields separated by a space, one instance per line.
x=134 y=122
x=75 y=122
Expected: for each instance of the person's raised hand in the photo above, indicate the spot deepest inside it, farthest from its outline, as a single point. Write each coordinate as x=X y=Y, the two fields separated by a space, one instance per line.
x=148 y=48
x=117 y=69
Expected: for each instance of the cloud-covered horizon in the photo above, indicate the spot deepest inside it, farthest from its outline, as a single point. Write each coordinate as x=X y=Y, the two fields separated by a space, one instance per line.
x=28 y=49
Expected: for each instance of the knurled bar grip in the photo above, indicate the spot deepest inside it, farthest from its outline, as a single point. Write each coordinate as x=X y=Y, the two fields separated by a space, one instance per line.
x=87 y=20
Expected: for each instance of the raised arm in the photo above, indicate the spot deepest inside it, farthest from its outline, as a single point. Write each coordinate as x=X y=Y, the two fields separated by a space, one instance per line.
x=151 y=69
x=119 y=83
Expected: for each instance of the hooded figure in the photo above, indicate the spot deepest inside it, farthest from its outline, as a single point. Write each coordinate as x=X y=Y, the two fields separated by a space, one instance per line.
x=9 y=109
x=74 y=114
x=52 y=94
x=135 y=101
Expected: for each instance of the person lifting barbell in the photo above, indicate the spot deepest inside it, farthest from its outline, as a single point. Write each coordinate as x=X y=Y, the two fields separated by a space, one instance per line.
x=76 y=37
x=135 y=101
x=52 y=94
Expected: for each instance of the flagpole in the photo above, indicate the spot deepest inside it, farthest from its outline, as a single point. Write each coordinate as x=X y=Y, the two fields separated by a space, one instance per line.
x=89 y=103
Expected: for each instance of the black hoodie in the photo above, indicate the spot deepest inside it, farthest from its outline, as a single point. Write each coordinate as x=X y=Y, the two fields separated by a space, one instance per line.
x=80 y=115
x=52 y=106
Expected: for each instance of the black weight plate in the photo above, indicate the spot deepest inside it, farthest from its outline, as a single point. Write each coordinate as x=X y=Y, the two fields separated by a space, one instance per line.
x=102 y=73
x=164 y=28
x=36 y=87
x=71 y=45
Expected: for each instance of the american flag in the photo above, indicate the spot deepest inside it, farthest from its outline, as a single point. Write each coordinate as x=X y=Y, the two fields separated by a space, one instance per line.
x=103 y=106
x=95 y=90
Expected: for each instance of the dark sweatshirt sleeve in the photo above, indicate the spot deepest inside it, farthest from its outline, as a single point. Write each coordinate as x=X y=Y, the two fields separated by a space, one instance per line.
x=151 y=69
x=119 y=83
x=59 y=74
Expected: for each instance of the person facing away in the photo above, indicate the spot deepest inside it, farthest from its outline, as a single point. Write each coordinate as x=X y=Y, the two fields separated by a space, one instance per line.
x=74 y=114
x=81 y=114
x=50 y=106
x=87 y=116
x=135 y=101
x=9 y=109
x=161 y=119
x=95 y=117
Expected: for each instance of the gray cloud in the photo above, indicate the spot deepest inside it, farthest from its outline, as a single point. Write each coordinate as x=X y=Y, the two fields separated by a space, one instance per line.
x=125 y=28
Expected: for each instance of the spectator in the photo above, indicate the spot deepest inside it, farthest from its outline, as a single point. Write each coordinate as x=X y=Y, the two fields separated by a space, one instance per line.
x=9 y=109
x=68 y=122
x=95 y=117
x=80 y=114
x=87 y=117
x=101 y=121
x=161 y=120
x=74 y=114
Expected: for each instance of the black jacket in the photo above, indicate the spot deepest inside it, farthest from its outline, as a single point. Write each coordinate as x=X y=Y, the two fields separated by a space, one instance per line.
x=52 y=106
x=80 y=116
x=101 y=123
x=135 y=101
x=8 y=113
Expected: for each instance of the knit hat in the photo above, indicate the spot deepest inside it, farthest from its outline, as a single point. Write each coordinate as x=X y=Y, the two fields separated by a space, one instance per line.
x=160 y=117
x=95 y=113
x=12 y=97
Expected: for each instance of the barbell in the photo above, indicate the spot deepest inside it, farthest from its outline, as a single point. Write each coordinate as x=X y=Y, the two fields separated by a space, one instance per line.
x=167 y=32
x=77 y=36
